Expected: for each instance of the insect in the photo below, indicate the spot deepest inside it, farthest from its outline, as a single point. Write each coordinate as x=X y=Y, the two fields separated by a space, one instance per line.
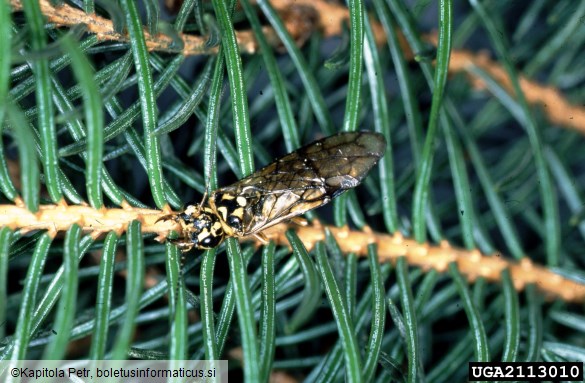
x=300 y=181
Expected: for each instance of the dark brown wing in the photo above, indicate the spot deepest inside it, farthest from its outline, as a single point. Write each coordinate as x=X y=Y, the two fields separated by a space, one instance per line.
x=302 y=180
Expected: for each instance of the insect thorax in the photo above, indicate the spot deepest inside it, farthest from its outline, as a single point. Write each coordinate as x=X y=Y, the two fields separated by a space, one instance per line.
x=202 y=227
x=231 y=208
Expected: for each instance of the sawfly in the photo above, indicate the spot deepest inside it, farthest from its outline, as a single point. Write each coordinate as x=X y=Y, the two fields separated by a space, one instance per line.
x=300 y=181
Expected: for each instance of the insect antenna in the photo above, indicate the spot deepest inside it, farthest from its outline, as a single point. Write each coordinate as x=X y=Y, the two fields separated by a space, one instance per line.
x=205 y=194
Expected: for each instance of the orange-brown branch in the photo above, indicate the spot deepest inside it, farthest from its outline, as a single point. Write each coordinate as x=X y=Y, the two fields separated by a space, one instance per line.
x=331 y=16
x=68 y=16
x=556 y=107
x=472 y=264
x=329 y=20
x=55 y=218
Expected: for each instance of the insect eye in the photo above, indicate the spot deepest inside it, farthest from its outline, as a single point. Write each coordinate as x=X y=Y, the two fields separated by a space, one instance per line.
x=234 y=222
x=210 y=241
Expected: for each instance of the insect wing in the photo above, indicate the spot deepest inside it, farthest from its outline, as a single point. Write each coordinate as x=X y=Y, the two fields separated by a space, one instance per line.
x=300 y=181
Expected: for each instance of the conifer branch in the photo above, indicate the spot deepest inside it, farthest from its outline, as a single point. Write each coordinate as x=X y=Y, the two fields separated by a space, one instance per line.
x=472 y=264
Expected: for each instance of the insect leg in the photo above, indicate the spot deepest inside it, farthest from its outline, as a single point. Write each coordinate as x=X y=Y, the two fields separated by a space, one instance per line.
x=261 y=237
x=299 y=221
x=169 y=217
x=184 y=246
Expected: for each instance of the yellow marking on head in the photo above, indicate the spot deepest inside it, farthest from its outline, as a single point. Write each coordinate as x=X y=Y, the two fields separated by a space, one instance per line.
x=227 y=196
x=192 y=210
x=204 y=234
x=209 y=210
x=215 y=228
x=239 y=212
x=241 y=201
x=223 y=211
